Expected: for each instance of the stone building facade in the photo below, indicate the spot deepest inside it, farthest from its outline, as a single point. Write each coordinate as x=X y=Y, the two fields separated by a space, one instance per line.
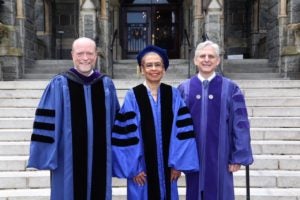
x=31 y=30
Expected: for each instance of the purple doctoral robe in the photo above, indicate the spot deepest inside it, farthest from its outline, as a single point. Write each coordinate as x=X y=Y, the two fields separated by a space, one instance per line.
x=222 y=133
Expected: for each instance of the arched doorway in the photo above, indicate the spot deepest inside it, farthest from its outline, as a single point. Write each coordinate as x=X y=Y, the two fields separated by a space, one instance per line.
x=156 y=22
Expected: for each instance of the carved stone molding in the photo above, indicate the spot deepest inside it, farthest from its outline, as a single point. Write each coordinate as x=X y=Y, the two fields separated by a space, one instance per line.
x=296 y=29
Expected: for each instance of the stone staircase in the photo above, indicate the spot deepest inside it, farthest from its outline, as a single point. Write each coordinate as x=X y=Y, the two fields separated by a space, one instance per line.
x=250 y=69
x=178 y=69
x=274 y=111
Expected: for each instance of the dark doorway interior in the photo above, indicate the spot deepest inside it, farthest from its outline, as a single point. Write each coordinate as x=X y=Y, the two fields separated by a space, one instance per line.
x=65 y=27
x=153 y=23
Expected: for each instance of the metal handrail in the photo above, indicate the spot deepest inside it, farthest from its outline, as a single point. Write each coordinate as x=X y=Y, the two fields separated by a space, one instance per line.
x=111 y=48
x=190 y=50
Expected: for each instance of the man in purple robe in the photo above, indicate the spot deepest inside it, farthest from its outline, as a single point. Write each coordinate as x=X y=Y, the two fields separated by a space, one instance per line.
x=219 y=114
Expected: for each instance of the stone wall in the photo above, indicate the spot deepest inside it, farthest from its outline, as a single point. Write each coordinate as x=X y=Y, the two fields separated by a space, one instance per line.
x=290 y=62
x=19 y=48
x=9 y=51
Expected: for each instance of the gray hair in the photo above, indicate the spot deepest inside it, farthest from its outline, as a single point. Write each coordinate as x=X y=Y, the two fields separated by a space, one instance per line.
x=202 y=45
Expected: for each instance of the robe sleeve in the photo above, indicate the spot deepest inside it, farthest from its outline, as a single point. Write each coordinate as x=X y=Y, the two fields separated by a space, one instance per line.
x=114 y=102
x=46 y=128
x=126 y=140
x=183 y=155
x=183 y=89
x=241 y=141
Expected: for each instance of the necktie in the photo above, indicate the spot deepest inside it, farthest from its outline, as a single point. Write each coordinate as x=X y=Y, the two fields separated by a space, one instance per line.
x=205 y=83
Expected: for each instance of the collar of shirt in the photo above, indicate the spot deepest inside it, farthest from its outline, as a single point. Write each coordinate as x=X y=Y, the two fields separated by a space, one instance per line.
x=86 y=79
x=201 y=78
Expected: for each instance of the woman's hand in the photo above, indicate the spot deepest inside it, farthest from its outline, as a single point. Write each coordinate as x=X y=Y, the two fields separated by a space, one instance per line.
x=140 y=179
x=175 y=174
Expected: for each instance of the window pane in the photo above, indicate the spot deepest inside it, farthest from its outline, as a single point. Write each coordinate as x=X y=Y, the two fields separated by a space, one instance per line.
x=136 y=17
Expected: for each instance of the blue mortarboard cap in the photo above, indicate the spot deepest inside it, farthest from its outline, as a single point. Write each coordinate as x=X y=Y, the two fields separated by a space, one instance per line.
x=151 y=48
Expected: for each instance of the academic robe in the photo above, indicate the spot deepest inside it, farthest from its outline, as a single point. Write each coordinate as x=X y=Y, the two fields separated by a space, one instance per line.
x=153 y=136
x=72 y=136
x=222 y=133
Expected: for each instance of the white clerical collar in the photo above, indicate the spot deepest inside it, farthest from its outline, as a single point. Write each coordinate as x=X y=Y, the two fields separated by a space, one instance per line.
x=91 y=72
x=201 y=78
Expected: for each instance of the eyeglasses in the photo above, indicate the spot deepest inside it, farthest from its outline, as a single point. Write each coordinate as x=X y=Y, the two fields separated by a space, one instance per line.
x=155 y=65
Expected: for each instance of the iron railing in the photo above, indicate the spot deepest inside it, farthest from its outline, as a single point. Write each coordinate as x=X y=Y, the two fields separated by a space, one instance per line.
x=111 y=48
x=189 y=51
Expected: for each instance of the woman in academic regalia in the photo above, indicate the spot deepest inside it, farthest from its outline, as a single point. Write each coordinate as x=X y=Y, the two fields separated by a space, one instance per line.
x=153 y=137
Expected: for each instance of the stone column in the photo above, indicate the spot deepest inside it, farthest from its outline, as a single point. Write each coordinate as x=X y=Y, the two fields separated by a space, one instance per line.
x=20 y=9
x=283 y=12
x=48 y=27
x=222 y=51
x=104 y=39
x=282 y=28
x=213 y=21
x=88 y=17
x=198 y=22
x=255 y=36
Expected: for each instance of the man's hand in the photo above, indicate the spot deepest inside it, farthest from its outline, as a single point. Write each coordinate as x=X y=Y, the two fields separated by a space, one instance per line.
x=140 y=179
x=175 y=174
x=234 y=167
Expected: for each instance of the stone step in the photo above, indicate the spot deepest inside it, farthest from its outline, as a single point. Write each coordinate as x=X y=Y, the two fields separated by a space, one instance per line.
x=19 y=103
x=272 y=92
x=259 y=147
x=274 y=122
x=255 y=122
x=33 y=90
x=21 y=93
x=247 y=65
x=271 y=111
x=14 y=148
x=258 y=179
x=256 y=134
x=276 y=162
x=268 y=179
x=275 y=147
x=15 y=135
x=261 y=162
x=16 y=123
x=282 y=134
x=32 y=102
x=125 y=83
x=49 y=66
x=38 y=76
x=8 y=112
x=254 y=76
x=13 y=163
x=122 y=89
x=47 y=69
x=252 y=112
x=17 y=112
x=252 y=93
x=120 y=194
x=272 y=101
